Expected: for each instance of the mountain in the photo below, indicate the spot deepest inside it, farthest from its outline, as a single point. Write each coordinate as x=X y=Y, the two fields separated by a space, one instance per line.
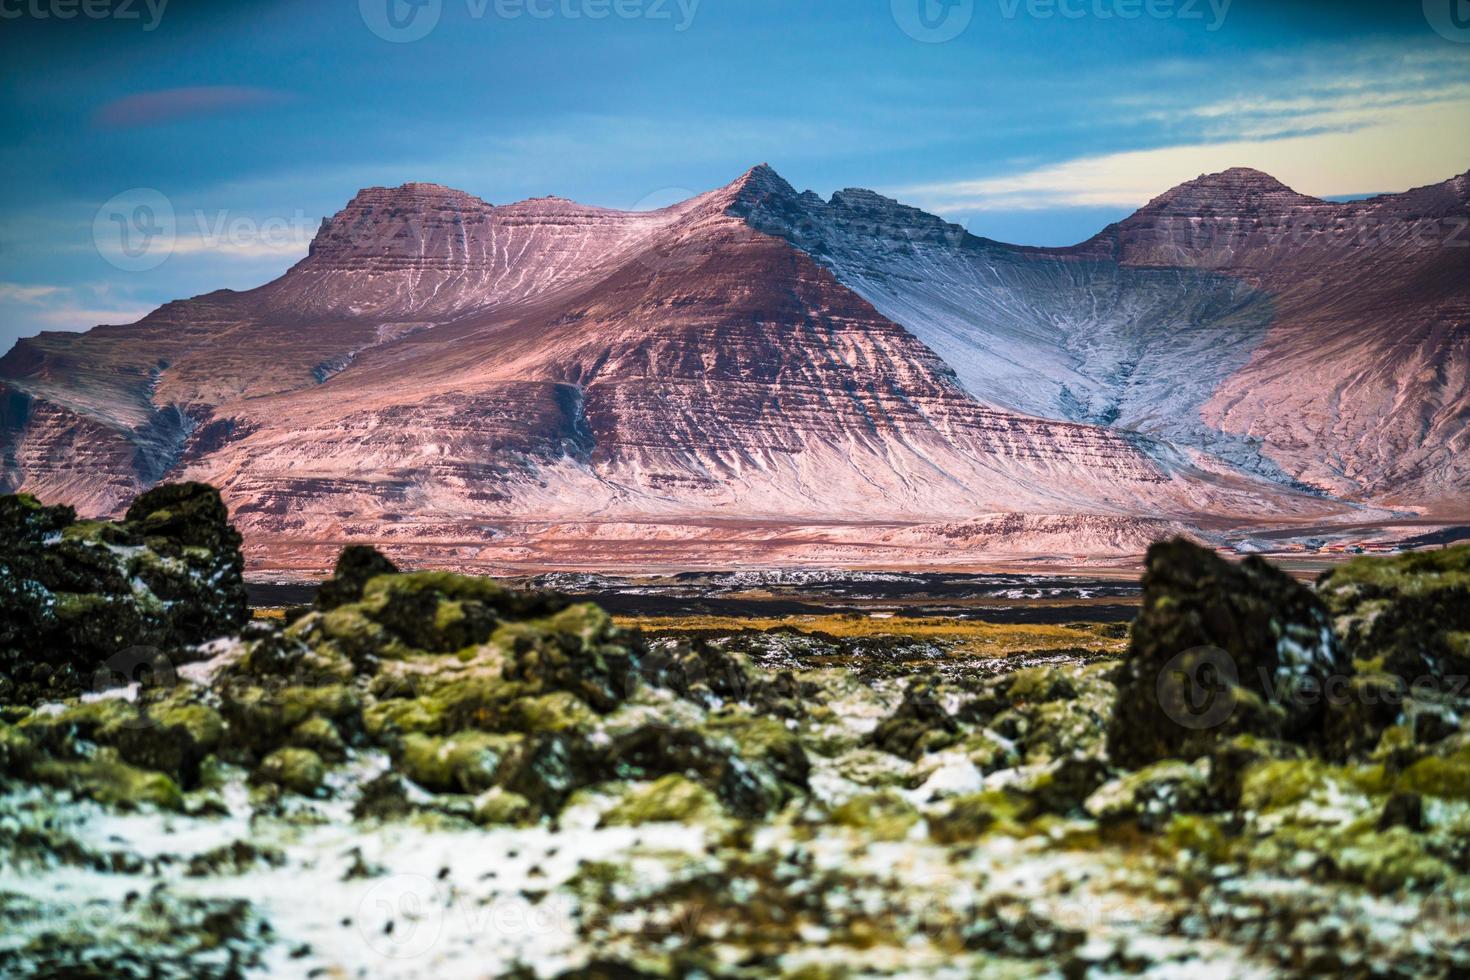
x=759 y=374
x=1324 y=345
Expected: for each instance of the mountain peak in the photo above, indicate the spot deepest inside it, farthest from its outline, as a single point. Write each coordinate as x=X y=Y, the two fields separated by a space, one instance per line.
x=760 y=180
x=418 y=194
x=381 y=216
x=1238 y=190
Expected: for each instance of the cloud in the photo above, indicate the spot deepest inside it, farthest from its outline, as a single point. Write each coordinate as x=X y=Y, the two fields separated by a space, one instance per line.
x=14 y=293
x=1321 y=145
x=254 y=244
x=84 y=318
x=173 y=104
x=26 y=309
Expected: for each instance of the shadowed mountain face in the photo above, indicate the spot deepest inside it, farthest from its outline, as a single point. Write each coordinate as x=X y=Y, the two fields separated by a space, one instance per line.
x=445 y=373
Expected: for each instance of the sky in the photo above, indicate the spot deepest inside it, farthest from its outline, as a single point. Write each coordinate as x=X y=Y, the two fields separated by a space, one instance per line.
x=223 y=132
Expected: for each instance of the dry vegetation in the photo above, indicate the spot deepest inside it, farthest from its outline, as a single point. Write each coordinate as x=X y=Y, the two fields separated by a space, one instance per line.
x=962 y=637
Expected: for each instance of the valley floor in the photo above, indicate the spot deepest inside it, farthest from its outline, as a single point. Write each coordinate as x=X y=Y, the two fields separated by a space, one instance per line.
x=997 y=545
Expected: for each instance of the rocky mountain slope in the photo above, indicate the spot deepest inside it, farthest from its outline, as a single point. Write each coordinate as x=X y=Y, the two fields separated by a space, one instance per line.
x=1307 y=341
x=448 y=374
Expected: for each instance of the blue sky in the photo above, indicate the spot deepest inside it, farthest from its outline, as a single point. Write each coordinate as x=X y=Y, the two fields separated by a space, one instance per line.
x=1035 y=121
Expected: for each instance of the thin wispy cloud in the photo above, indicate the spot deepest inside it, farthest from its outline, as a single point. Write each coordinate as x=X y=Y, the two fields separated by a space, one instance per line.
x=176 y=104
x=13 y=293
x=45 y=306
x=1324 y=134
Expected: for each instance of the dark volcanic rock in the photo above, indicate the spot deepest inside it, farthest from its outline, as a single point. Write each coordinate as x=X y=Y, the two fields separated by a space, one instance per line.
x=199 y=574
x=1404 y=622
x=355 y=566
x=1411 y=612
x=1219 y=649
x=920 y=724
x=80 y=597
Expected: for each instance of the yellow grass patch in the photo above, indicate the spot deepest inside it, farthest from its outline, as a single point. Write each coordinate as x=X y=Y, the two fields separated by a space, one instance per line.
x=963 y=636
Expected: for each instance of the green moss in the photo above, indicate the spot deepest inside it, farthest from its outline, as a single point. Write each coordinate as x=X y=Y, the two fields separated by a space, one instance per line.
x=670 y=799
x=76 y=607
x=447 y=584
x=874 y=769
x=989 y=753
x=293 y=705
x=1152 y=794
x=298 y=770
x=16 y=751
x=1279 y=784
x=321 y=736
x=352 y=632
x=88 y=720
x=1458 y=643
x=1058 y=728
x=882 y=816
x=404 y=716
x=587 y=622
x=1412 y=574
x=215 y=773
x=467 y=762
x=757 y=737
x=448 y=695
x=1388 y=861
x=435 y=611
x=202 y=724
x=449 y=618
x=1197 y=835
x=497 y=806
x=1039 y=685
x=553 y=712
x=970 y=817
x=1409 y=612
x=107 y=779
x=171 y=736
x=1447 y=778
x=1395 y=740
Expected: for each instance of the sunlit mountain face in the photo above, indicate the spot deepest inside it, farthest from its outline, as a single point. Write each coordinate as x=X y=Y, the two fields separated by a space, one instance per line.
x=443 y=373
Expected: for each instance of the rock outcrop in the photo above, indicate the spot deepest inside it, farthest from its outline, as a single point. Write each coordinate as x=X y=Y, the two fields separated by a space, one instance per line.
x=83 y=597
x=1410 y=613
x=1221 y=649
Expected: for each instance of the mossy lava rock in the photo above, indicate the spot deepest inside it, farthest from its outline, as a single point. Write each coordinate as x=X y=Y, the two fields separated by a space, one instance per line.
x=1411 y=612
x=79 y=598
x=1220 y=649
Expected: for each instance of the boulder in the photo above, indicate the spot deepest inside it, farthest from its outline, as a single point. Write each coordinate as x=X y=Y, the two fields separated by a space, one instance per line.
x=919 y=725
x=1409 y=614
x=86 y=604
x=356 y=566
x=1220 y=649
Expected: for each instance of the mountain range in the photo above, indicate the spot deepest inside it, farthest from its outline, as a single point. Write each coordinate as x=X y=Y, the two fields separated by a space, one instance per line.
x=758 y=375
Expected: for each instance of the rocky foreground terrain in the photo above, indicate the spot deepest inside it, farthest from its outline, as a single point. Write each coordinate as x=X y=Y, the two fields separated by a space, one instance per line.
x=762 y=376
x=426 y=774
